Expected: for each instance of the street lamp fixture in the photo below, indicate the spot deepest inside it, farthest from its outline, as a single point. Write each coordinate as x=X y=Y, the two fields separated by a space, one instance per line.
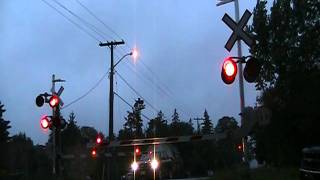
x=128 y=54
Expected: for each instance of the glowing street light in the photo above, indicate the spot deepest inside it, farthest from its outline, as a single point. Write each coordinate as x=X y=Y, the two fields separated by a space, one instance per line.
x=135 y=54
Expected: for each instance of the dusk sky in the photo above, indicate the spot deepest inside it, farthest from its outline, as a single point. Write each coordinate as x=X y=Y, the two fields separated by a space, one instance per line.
x=181 y=47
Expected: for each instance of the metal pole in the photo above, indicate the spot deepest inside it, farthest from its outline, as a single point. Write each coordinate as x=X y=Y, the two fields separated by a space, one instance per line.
x=54 y=133
x=240 y=75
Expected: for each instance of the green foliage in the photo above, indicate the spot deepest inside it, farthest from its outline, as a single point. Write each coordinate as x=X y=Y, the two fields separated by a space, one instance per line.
x=133 y=123
x=207 y=126
x=132 y=127
x=226 y=149
x=88 y=134
x=175 y=117
x=179 y=128
x=158 y=126
x=288 y=46
x=4 y=138
x=71 y=135
x=4 y=126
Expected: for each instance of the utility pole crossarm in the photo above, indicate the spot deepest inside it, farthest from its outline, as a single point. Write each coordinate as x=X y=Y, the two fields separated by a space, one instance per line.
x=112 y=43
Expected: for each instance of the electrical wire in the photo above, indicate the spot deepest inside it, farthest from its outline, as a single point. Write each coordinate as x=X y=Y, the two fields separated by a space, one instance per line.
x=89 y=25
x=97 y=18
x=71 y=21
x=87 y=93
x=134 y=90
x=121 y=98
x=165 y=91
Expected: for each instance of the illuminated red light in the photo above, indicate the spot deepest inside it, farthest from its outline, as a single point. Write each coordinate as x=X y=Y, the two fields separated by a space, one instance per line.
x=229 y=70
x=94 y=153
x=54 y=101
x=99 y=140
x=44 y=122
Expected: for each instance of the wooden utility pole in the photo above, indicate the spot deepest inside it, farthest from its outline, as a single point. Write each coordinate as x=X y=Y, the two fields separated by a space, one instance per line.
x=111 y=45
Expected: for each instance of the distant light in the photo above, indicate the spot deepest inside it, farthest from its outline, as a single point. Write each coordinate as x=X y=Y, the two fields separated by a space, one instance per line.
x=137 y=151
x=134 y=166
x=154 y=164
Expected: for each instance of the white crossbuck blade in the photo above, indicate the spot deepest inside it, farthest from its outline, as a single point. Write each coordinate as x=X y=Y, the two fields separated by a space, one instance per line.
x=222 y=2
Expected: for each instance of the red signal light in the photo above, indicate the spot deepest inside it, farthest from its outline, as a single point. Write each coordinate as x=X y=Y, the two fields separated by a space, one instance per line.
x=240 y=147
x=137 y=151
x=99 y=140
x=44 y=122
x=93 y=153
x=229 y=70
x=54 y=101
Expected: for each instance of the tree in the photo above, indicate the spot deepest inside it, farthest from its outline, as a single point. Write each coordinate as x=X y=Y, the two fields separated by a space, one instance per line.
x=4 y=138
x=71 y=135
x=180 y=129
x=21 y=150
x=4 y=126
x=175 y=117
x=289 y=51
x=227 y=125
x=226 y=151
x=88 y=134
x=207 y=127
x=157 y=127
x=132 y=127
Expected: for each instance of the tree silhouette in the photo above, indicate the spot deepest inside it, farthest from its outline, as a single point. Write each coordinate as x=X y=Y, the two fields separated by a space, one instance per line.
x=288 y=49
x=4 y=126
x=157 y=127
x=175 y=117
x=207 y=127
x=4 y=138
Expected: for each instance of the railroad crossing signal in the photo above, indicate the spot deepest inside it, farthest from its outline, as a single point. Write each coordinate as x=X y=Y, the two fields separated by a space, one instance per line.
x=251 y=70
x=229 y=70
x=45 y=122
x=237 y=28
x=54 y=101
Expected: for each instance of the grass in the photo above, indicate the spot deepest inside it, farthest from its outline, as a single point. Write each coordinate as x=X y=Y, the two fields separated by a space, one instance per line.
x=263 y=173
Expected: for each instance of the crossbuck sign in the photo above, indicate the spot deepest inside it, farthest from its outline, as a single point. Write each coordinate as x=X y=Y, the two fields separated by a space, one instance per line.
x=237 y=28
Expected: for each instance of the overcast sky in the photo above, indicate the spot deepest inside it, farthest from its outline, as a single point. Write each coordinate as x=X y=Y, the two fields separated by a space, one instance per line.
x=181 y=46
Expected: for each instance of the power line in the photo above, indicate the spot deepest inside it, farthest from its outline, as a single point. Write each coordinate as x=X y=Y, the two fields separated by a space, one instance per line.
x=98 y=19
x=158 y=88
x=129 y=104
x=87 y=93
x=70 y=20
x=89 y=25
x=134 y=90
x=166 y=91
